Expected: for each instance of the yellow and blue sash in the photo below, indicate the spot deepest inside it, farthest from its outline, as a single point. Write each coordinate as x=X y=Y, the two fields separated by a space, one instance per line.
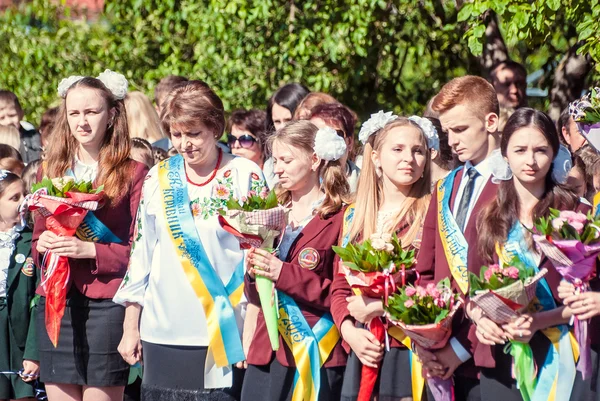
x=416 y=368
x=310 y=347
x=596 y=209
x=217 y=299
x=453 y=240
x=92 y=229
x=560 y=360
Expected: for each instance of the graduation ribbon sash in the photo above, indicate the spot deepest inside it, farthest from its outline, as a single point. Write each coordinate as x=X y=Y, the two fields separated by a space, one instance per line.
x=416 y=368
x=217 y=300
x=596 y=209
x=561 y=357
x=453 y=240
x=310 y=347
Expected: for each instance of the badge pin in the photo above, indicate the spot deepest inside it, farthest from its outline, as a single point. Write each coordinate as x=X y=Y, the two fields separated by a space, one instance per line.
x=28 y=267
x=308 y=258
x=20 y=258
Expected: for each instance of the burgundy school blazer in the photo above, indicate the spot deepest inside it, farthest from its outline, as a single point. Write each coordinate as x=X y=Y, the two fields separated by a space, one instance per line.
x=309 y=288
x=433 y=266
x=340 y=290
x=100 y=278
x=484 y=355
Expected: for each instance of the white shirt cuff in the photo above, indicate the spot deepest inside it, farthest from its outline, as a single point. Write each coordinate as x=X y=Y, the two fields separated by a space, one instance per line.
x=459 y=350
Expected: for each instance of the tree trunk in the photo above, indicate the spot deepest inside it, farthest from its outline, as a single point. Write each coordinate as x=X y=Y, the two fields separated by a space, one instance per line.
x=569 y=80
x=494 y=50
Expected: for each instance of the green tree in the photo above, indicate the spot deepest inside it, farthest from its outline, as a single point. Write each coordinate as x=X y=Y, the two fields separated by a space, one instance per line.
x=369 y=54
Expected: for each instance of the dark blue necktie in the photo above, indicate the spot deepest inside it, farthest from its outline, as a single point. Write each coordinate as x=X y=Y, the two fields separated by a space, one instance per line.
x=465 y=200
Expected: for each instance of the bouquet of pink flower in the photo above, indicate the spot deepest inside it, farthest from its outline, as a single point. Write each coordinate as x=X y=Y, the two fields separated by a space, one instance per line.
x=571 y=240
x=502 y=292
x=256 y=221
x=373 y=267
x=425 y=315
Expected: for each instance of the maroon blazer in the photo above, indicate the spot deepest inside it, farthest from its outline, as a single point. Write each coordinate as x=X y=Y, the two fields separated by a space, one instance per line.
x=100 y=278
x=309 y=288
x=433 y=266
x=340 y=290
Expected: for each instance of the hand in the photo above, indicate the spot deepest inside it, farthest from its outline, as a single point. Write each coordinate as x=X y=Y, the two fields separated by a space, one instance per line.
x=45 y=241
x=31 y=370
x=242 y=365
x=584 y=305
x=73 y=247
x=130 y=347
x=521 y=329
x=565 y=290
x=489 y=333
x=448 y=358
x=363 y=308
x=264 y=263
x=429 y=361
x=364 y=344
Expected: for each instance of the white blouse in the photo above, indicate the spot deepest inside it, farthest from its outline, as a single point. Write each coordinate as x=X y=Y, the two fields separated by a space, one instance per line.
x=84 y=172
x=172 y=313
x=7 y=247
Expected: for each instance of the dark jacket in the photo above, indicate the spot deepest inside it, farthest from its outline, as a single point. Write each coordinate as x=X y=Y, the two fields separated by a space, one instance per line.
x=20 y=290
x=433 y=266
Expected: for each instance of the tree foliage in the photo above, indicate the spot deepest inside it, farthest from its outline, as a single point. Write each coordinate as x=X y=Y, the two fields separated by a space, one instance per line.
x=538 y=23
x=370 y=54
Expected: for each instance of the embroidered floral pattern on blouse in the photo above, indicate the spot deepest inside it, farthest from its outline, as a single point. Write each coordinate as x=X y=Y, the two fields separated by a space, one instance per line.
x=137 y=232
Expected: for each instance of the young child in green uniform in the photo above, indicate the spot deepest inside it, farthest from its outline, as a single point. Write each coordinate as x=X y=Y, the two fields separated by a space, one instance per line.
x=18 y=276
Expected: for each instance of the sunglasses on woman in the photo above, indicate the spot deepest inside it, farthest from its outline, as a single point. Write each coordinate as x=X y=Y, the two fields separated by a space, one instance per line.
x=246 y=141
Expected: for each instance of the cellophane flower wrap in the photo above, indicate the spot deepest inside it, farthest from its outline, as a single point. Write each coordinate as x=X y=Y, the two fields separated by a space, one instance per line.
x=571 y=240
x=373 y=268
x=425 y=315
x=64 y=204
x=586 y=114
x=257 y=220
x=503 y=292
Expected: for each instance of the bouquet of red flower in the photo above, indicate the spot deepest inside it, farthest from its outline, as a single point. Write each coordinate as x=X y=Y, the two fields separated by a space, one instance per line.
x=502 y=292
x=64 y=203
x=373 y=268
x=257 y=221
x=425 y=315
x=571 y=240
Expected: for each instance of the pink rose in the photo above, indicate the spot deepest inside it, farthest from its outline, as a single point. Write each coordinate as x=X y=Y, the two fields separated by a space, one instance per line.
x=421 y=292
x=409 y=303
x=576 y=220
x=439 y=303
x=488 y=273
x=410 y=291
x=511 y=272
x=432 y=290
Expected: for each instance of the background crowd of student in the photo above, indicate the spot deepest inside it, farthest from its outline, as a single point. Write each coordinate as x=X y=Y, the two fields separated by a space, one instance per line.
x=274 y=146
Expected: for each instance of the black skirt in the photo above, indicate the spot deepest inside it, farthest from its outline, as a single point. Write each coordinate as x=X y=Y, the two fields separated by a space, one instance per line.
x=173 y=373
x=11 y=359
x=275 y=382
x=589 y=389
x=394 y=380
x=86 y=354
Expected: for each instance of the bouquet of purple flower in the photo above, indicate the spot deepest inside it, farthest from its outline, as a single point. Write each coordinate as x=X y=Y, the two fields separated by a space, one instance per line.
x=571 y=240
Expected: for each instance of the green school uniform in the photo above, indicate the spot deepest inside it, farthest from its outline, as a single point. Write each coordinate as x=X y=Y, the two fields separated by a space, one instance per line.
x=17 y=320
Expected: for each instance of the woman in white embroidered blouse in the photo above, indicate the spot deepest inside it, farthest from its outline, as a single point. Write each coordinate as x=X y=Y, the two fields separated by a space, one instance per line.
x=162 y=290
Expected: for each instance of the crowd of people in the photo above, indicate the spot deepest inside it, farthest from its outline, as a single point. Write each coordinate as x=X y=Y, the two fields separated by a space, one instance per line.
x=168 y=288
